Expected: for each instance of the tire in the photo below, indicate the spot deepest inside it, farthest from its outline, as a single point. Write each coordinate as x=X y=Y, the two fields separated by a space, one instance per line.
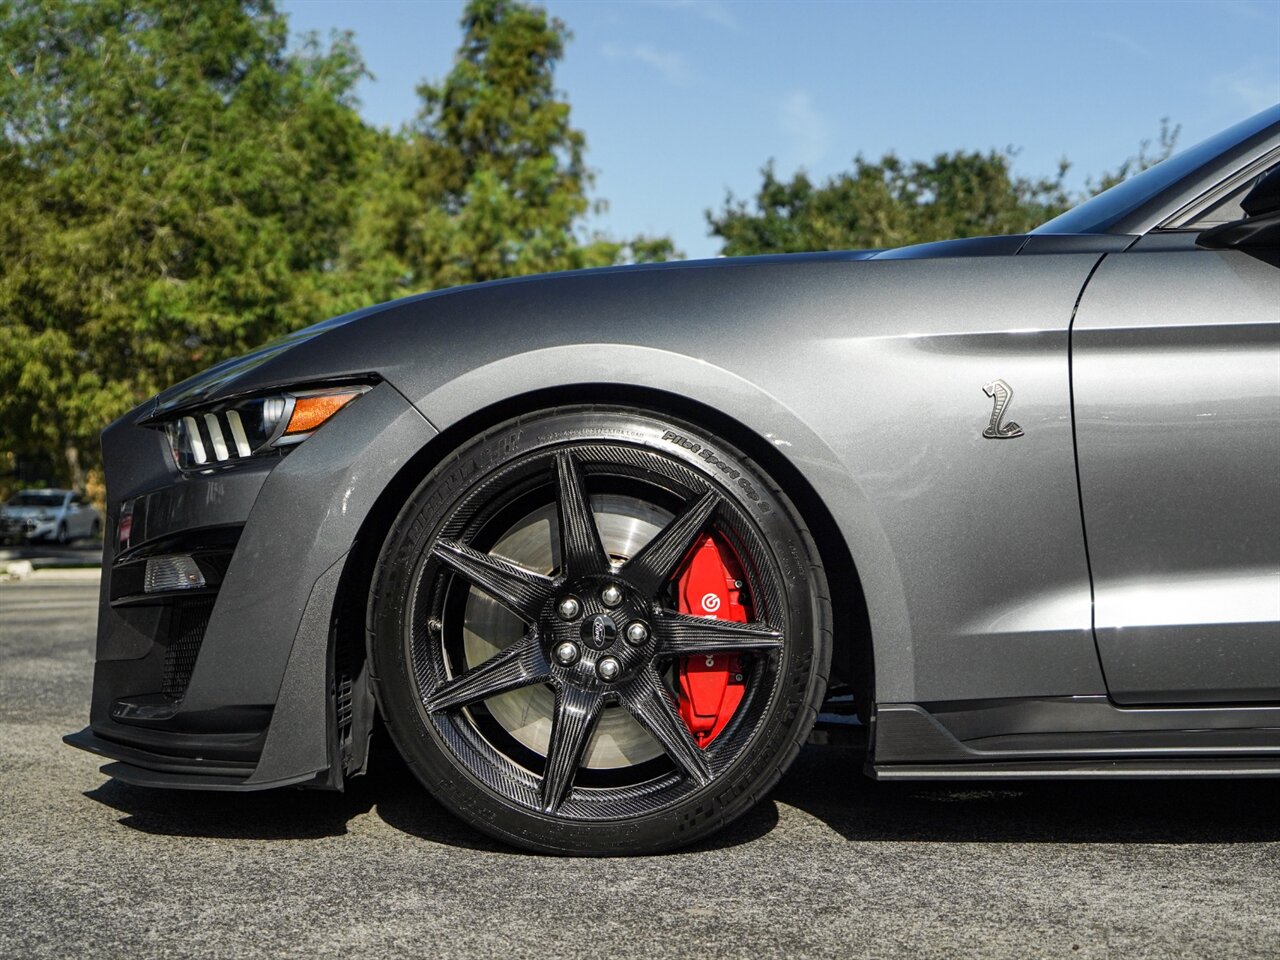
x=95 y=529
x=625 y=774
x=63 y=537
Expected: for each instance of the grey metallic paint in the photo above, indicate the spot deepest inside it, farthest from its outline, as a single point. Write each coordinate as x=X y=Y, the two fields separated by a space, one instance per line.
x=890 y=462
x=305 y=518
x=863 y=372
x=300 y=519
x=1176 y=357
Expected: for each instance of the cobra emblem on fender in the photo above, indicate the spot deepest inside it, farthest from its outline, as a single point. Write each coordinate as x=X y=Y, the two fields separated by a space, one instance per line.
x=1001 y=394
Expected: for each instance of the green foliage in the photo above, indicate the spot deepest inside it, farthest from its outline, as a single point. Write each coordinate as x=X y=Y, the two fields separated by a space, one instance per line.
x=176 y=188
x=1148 y=155
x=888 y=204
x=171 y=183
x=893 y=202
x=489 y=181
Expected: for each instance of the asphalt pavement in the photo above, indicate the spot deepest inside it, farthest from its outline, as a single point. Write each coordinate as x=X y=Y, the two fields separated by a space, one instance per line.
x=19 y=561
x=831 y=864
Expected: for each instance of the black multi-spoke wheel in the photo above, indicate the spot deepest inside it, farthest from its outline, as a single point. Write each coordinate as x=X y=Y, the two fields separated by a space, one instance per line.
x=526 y=632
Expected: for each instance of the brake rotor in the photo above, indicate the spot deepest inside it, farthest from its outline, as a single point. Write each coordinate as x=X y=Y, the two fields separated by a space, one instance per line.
x=710 y=583
x=626 y=524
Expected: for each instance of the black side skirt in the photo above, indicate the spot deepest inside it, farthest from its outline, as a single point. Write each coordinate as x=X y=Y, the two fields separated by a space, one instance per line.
x=1072 y=738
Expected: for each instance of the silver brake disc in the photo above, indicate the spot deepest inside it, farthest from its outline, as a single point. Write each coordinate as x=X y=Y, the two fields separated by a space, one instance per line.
x=626 y=524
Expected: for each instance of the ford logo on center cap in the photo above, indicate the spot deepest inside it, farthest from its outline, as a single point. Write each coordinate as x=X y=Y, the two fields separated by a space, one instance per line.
x=599 y=632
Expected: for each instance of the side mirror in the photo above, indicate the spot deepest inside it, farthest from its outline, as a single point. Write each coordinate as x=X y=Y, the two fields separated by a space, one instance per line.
x=1261 y=224
x=1264 y=198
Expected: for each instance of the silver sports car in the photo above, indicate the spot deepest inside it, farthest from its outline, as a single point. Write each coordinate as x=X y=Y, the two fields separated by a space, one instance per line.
x=596 y=547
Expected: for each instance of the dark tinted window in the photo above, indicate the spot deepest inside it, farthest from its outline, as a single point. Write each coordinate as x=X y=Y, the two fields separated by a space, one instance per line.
x=1097 y=214
x=31 y=499
x=1226 y=209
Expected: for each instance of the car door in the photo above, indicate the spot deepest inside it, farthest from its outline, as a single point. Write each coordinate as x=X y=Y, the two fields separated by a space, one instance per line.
x=78 y=524
x=1176 y=380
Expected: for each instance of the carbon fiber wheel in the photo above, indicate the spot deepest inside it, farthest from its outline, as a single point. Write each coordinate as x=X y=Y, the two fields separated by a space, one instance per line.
x=525 y=632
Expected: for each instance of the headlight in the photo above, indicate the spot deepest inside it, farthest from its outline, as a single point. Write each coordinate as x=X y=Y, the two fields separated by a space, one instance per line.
x=254 y=426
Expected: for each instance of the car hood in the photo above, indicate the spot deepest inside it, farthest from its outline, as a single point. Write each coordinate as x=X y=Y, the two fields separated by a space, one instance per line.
x=27 y=513
x=290 y=360
x=232 y=376
x=215 y=380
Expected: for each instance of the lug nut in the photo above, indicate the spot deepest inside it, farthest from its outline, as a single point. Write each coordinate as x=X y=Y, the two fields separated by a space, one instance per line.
x=566 y=653
x=569 y=608
x=608 y=669
x=611 y=596
x=637 y=633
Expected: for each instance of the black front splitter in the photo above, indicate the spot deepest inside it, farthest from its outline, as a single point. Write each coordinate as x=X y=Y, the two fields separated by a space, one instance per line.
x=145 y=769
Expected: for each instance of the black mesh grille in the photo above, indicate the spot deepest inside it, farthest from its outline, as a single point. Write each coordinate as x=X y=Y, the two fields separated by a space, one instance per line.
x=185 y=633
x=343 y=691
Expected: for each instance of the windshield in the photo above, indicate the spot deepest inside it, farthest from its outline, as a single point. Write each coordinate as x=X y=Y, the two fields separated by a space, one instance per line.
x=30 y=498
x=1097 y=214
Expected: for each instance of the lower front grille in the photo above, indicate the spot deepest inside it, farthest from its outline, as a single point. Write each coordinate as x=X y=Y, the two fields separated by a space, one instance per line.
x=187 y=625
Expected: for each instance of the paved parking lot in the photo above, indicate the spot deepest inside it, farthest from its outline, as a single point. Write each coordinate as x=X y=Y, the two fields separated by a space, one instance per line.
x=20 y=560
x=830 y=865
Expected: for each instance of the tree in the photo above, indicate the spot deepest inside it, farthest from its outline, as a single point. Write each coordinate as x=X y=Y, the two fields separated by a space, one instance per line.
x=892 y=202
x=172 y=186
x=176 y=188
x=1148 y=155
x=490 y=179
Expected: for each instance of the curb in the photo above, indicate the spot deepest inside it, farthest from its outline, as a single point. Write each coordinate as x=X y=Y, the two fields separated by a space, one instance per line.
x=22 y=571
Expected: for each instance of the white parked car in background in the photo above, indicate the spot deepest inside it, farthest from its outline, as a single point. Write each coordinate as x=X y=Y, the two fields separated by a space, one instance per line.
x=61 y=515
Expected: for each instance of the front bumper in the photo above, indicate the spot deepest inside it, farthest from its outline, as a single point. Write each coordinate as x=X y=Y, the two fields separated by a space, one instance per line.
x=231 y=686
x=18 y=529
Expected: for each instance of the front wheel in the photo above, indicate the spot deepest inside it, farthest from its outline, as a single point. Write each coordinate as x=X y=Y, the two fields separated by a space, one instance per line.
x=598 y=631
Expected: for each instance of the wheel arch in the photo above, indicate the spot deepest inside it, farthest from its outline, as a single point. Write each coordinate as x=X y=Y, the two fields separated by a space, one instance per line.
x=852 y=651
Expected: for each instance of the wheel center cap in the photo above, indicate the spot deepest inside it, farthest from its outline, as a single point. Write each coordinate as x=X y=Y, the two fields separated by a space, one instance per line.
x=599 y=632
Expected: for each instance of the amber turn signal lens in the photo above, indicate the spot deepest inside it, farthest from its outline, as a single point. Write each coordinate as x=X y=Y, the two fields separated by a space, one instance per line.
x=310 y=412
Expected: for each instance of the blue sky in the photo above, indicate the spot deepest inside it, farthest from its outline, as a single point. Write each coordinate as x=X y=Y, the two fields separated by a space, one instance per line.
x=683 y=100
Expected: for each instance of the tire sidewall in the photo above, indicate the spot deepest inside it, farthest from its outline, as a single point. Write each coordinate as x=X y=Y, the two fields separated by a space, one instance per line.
x=788 y=714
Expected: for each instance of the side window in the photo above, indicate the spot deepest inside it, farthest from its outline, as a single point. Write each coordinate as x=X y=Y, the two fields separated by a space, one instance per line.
x=1226 y=209
x=78 y=501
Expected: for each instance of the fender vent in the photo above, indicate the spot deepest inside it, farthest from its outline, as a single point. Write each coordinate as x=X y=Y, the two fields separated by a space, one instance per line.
x=187 y=625
x=344 y=686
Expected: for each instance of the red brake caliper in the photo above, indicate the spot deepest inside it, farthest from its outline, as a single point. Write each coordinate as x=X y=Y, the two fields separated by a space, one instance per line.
x=710 y=584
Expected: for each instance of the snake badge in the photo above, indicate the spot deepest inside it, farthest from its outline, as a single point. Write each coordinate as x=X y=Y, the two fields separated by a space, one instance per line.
x=1001 y=394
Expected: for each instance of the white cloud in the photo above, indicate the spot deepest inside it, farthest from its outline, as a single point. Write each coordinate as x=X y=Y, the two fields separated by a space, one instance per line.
x=1255 y=86
x=1128 y=43
x=809 y=132
x=668 y=64
x=713 y=11
x=1255 y=12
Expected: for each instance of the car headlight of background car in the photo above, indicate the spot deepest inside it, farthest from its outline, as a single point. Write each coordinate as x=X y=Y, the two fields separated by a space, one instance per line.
x=253 y=426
